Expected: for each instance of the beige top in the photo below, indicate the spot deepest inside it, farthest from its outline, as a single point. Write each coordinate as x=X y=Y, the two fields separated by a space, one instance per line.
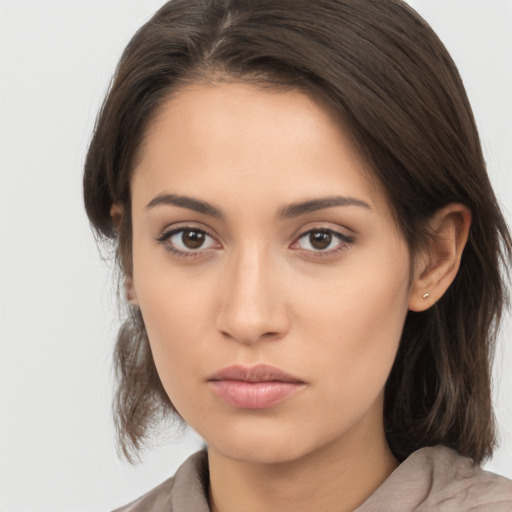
x=431 y=479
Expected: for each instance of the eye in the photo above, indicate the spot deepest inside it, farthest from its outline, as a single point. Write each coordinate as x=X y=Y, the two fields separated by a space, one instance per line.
x=187 y=241
x=322 y=240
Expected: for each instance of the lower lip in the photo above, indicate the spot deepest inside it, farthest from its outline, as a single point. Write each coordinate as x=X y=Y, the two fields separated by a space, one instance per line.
x=254 y=395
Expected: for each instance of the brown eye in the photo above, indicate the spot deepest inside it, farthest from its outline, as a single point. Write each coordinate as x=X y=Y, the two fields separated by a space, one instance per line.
x=320 y=239
x=325 y=241
x=187 y=241
x=193 y=239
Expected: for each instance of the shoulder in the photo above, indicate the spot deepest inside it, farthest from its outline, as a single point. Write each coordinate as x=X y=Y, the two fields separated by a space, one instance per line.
x=186 y=491
x=438 y=478
x=462 y=485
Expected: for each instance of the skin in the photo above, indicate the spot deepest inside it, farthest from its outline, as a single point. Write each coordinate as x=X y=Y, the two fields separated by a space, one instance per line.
x=259 y=291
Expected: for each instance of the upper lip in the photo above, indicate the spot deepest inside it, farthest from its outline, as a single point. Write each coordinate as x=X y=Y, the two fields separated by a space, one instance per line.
x=257 y=373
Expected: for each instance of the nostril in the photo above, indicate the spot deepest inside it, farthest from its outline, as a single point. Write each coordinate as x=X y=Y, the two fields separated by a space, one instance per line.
x=250 y=339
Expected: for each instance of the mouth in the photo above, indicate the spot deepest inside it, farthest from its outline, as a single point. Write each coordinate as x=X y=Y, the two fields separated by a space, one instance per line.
x=256 y=387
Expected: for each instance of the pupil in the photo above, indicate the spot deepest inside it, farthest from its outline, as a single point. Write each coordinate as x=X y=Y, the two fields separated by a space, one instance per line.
x=320 y=240
x=193 y=239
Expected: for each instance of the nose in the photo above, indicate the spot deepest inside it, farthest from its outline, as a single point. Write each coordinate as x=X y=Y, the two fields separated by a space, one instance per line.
x=252 y=305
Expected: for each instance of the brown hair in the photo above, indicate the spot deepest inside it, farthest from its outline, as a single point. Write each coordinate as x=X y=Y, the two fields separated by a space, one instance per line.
x=381 y=69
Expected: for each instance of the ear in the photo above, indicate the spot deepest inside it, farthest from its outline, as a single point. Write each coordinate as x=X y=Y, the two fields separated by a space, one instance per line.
x=436 y=266
x=116 y=213
x=129 y=290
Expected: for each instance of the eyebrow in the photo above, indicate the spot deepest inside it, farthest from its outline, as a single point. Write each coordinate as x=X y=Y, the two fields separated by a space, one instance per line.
x=297 y=209
x=186 y=202
x=288 y=212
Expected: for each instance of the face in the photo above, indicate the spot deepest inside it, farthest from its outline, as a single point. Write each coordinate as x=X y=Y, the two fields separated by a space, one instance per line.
x=271 y=277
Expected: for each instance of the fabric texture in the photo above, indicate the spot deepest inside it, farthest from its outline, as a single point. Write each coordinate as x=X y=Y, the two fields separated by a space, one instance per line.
x=434 y=479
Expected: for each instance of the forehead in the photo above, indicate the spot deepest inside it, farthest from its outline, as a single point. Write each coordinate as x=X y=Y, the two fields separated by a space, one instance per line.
x=236 y=135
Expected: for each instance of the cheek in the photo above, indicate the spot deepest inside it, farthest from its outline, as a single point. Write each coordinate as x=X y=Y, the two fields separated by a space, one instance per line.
x=175 y=309
x=174 y=321
x=356 y=324
x=176 y=312
x=170 y=296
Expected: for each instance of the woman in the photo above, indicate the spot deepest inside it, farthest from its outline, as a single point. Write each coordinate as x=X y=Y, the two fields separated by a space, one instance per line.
x=311 y=251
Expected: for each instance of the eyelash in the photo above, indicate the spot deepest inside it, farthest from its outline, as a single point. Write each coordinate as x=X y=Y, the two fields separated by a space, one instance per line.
x=166 y=236
x=343 y=242
x=343 y=239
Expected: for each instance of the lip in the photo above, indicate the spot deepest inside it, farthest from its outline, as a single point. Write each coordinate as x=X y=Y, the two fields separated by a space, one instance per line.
x=254 y=387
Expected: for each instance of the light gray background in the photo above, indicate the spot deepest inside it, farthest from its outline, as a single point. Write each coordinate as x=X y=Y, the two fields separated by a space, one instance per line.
x=57 y=309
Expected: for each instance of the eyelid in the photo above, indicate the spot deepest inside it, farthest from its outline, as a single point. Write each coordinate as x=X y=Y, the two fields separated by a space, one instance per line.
x=342 y=232
x=174 y=229
x=345 y=240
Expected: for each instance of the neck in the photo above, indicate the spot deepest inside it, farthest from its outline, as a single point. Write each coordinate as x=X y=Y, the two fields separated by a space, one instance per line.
x=337 y=477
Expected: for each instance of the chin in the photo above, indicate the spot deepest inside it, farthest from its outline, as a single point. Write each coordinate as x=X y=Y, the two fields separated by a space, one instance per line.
x=262 y=453
x=263 y=445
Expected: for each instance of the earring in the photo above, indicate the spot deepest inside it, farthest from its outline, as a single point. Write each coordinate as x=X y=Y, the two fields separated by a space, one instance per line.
x=425 y=296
